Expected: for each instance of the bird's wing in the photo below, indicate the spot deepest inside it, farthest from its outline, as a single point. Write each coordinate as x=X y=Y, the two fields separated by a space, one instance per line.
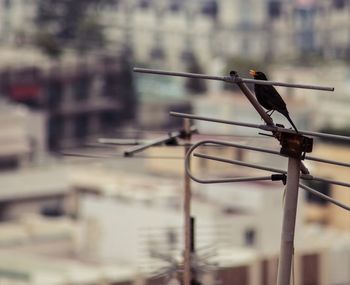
x=277 y=100
x=264 y=95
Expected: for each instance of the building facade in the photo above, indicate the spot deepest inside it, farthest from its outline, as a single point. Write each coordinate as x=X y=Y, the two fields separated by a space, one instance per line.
x=167 y=30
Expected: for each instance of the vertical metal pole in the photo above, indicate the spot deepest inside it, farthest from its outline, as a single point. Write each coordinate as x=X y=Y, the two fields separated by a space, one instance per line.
x=288 y=226
x=193 y=236
x=187 y=215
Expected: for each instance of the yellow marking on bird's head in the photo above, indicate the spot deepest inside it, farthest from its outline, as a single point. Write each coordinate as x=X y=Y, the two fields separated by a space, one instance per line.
x=252 y=72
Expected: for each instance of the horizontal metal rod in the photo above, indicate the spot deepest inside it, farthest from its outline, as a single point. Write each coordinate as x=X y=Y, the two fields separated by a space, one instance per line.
x=166 y=139
x=325 y=136
x=230 y=180
x=308 y=133
x=325 y=197
x=203 y=118
x=328 y=161
x=119 y=156
x=86 y=155
x=119 y=141
x=219 y=144
x=230 y=144
x=302 y=176
x=307 y=157
x=315 y=178
x=154 y=142
x=212 y=181
x=231 y=79
x=241 y=163
x=189 y=153
x=304 y=170
x=179 y=74
x=112 y=144
x=261 y=127
x=293 y=85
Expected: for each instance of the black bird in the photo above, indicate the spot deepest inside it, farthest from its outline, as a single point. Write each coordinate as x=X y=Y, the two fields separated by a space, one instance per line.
x=269 y=98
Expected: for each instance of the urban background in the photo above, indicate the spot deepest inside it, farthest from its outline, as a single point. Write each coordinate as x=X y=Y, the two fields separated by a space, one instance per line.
x=66 y=81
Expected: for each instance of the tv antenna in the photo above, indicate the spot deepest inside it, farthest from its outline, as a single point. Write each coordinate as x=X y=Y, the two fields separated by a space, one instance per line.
x=193 y=262
x=294 y=146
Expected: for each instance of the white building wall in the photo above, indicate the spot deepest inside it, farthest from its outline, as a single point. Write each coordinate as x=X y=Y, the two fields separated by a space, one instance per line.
x=119 y=227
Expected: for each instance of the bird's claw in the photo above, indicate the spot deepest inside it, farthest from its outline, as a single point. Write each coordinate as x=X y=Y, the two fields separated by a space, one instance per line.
x=270 y=112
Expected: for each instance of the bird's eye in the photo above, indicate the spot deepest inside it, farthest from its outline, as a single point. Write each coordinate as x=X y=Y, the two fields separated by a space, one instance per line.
x=233 y=73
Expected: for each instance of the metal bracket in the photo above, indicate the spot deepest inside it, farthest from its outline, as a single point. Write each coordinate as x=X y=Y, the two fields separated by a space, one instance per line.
x=294 y=145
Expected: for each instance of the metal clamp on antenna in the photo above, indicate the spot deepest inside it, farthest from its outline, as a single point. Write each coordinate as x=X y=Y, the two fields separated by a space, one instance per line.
x=295 y=145
x=279 y=177
x=170 y=140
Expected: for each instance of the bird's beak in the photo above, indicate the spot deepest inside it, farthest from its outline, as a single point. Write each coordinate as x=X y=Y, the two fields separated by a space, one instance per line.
x=252 y=72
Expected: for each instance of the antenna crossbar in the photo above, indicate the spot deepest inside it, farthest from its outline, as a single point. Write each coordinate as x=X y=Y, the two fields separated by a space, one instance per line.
x=325 y=197
x=232 y=79
x=270 y=151
x=270 y=128
x=304 y=176
x=170 y=139
x=336 y=182
x=241 y=163
x=255 y=166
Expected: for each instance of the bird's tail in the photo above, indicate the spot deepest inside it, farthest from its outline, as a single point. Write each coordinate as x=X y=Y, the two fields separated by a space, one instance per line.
x=286 y=114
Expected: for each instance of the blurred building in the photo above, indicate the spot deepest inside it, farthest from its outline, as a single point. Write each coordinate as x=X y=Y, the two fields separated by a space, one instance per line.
x=319 y=210
x=85 y=101
x=237 y=228
x=259 y=30
x=167 y=30
x=17 y=22
x=168 y=33
x=317 y=110
x=46 y=250
x=157 y=97
x=80 y=100
x=23 y=136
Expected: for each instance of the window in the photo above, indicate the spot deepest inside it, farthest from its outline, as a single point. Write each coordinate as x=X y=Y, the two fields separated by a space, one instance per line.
x=145 y=4
x=210 y=8
x=246 y=16
x=9 y=163
x=108 y=121
x=322 y=187
x=274 y=9
x=172 y=238
x=25 y=86
x=81 y=126
x=53 y=209
x=339 y=4
x=113 y=3
x=305 y=34
x=54 y=93
x=187 y=55
x=82 y=87
x=7 y=4
x=157 y=53
x=175 y=5
x=56 y=128
x=250 y=237
x=110 y=83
